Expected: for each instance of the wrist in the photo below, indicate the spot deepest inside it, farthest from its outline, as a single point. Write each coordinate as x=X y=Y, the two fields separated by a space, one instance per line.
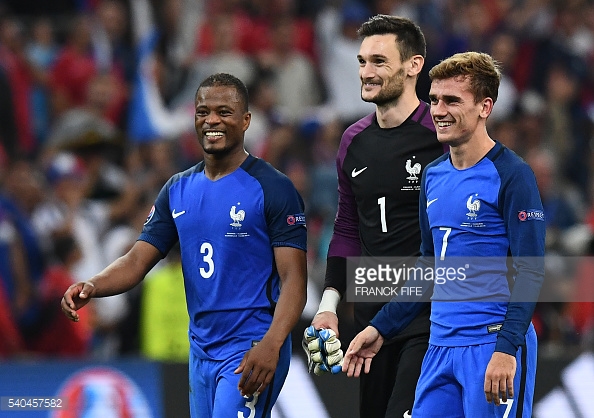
x=272 y=339
x=329 y=302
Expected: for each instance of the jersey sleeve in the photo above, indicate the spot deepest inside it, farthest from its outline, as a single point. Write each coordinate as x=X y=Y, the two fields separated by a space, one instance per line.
x=402 y=309
x=345 y=240
x=523 y=215
x=285 y=215
x=427 y=250
x=159 y=228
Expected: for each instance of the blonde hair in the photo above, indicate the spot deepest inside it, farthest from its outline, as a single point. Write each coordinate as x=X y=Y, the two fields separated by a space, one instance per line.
x=482 y=70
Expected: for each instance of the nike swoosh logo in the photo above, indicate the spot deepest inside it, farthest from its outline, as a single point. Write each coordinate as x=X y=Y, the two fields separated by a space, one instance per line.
x=407 y=414
x=356 y=172
x=175 y=214
x=431 y=201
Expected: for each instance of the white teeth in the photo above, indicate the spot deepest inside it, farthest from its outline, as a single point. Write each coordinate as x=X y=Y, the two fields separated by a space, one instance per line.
x=213 y=133
x=444 y=124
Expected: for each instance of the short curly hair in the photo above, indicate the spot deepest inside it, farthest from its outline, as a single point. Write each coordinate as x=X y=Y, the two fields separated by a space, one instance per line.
x=224 y=79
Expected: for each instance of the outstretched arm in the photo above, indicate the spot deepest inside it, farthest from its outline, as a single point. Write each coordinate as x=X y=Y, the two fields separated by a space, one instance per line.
x=121 y=275
x=361 y=351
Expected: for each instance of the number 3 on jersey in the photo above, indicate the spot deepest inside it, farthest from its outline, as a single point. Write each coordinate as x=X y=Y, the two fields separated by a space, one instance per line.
x=252 y=407
x=206 y=250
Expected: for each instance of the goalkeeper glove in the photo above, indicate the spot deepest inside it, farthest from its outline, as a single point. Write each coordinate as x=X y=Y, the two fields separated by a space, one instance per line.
x=323 y=351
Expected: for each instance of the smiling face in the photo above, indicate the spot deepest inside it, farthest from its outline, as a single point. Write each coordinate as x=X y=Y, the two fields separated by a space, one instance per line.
x=221 y=119
x=456 y=115
x=381 y=70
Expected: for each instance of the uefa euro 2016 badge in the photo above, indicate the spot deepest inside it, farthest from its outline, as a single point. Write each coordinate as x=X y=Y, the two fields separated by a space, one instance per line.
x=150 y=215
x=531 y=215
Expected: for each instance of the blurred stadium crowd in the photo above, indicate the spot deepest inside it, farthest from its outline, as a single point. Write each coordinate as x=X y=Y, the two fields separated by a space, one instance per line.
x=89 y=133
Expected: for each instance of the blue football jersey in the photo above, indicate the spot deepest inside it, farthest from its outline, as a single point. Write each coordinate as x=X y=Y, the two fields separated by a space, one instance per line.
x=227 y=230
x=489 y=218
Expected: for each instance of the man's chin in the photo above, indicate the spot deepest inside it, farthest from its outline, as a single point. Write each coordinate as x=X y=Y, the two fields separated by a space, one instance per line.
x=368 y=99
x=380 y=100
x=448 y=140
x=215 y=151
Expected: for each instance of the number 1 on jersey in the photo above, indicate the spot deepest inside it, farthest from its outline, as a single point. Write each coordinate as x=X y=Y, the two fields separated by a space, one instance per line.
x=382 y=204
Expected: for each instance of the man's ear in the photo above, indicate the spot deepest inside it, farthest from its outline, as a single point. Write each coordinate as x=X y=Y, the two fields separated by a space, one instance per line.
x=247 y=118
x=486 y=107
x=415 y=65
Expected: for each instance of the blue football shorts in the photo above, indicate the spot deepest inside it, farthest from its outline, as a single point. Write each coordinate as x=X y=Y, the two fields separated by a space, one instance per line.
x=214 y=393
x=452 y=379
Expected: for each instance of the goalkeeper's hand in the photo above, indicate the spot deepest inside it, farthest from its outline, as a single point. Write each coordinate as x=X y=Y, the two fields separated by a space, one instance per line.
x=323 y=351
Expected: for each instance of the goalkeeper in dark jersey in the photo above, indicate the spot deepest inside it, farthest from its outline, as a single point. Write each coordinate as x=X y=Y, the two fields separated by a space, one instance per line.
x=379 y=163
x=480 y=210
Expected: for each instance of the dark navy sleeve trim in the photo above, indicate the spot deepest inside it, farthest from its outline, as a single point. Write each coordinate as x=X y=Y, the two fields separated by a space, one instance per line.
x=526 y=236
x=281 y=201
x=289 y=244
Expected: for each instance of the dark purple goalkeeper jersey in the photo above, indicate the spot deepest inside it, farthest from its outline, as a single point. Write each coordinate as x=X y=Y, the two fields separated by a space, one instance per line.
x=379 y=180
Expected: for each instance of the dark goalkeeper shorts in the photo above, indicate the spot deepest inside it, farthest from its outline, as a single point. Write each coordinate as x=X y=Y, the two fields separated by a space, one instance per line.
x=389 y=388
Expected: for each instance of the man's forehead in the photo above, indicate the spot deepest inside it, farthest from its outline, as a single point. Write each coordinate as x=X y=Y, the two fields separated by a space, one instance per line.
x=224 y=93
x=379 y=45
x=455 y=84
x=218 y=90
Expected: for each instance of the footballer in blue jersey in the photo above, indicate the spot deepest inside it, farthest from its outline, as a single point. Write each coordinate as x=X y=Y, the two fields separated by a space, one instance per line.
x=480 y=204
x=241 y=229
x=227 y=230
